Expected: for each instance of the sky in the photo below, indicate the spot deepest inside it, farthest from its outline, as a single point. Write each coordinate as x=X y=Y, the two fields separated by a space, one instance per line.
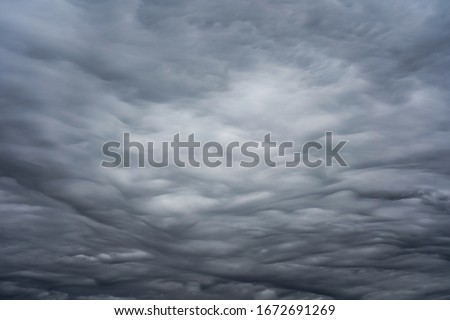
x=77 y=73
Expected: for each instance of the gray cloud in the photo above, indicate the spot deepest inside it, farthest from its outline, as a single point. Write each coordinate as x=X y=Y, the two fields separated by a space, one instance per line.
x=77 y=73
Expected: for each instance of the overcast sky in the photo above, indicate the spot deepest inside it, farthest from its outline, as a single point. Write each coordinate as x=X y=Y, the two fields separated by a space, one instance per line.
x=77 y=73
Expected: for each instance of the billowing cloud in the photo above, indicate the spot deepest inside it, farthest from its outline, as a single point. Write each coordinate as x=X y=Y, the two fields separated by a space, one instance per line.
x=78 y=73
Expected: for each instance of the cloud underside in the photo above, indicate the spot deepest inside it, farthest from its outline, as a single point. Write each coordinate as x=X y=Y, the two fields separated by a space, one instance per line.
x=75 y=74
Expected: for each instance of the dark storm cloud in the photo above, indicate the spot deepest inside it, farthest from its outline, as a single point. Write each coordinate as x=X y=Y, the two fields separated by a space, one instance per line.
x=75 y=74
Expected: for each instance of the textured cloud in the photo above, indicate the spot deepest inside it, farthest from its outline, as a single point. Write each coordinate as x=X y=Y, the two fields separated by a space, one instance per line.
x=75 y=74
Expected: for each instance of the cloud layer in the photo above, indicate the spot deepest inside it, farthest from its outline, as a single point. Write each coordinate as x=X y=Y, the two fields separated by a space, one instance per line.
x=75 y=74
